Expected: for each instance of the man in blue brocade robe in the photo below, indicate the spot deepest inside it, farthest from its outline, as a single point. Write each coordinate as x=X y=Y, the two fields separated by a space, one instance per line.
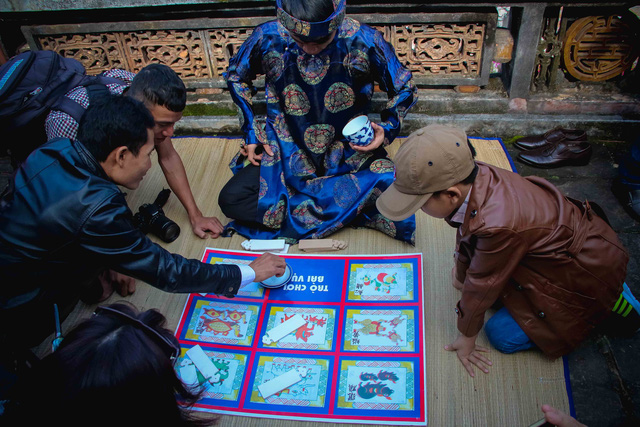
x=295 y=176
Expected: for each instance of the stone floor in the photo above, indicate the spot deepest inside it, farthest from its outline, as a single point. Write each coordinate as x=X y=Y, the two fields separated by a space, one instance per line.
x=604 y=371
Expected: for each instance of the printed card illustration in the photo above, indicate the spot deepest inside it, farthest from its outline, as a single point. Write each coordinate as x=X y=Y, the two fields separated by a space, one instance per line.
x=376 y=385
x=224 y=384
x=250 y=290
x=380 y=330
x=315 y=334
x=224 y=323
x=309 y=391
x=388 y=282
x=342 y=342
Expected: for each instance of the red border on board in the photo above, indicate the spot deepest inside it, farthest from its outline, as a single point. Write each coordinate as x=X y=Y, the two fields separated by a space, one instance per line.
x=336 y=354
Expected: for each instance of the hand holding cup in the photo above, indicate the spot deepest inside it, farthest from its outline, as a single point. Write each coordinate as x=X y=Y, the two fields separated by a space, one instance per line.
x=359 y=131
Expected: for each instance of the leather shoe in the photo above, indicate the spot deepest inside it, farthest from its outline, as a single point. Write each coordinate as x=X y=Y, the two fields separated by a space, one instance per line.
x=552 y=137
x=628 y=197
x=562 y=153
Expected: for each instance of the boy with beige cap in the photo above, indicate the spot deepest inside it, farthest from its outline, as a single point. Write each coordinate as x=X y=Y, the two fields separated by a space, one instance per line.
x=555 y=266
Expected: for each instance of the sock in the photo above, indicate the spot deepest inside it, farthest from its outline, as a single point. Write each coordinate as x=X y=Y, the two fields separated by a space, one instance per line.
x=626 y=311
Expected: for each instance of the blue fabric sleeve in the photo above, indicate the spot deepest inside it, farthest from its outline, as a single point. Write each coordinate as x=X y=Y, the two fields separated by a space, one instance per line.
x=243 y=68
x=397 y=82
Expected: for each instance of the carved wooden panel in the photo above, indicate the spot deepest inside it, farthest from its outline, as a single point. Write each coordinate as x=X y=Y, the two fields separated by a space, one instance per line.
x=444 y=50
x=598 y=48
x=549 y=52
x=438 y=49
x=97 y=52
x=182 y=50
x=224 y=44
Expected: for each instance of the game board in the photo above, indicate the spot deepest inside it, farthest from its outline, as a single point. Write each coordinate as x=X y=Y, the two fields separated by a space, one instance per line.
x=362 y=346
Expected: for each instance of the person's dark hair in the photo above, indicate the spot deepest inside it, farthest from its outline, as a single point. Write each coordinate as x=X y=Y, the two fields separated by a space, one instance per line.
x=113 y=370
x=472 y=176
x=309 y=10
x=472 y=148
x=157 y=84
x=114 y=121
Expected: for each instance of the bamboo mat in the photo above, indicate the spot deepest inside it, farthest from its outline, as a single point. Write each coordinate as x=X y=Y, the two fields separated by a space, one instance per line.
x=510 y=395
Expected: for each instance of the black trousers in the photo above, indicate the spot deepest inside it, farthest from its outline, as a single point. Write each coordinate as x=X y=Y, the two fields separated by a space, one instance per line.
x=239 y=197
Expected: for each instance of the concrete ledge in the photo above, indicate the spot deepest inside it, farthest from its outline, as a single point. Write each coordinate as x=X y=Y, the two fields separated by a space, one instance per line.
x=605 y=114
x=505 y=126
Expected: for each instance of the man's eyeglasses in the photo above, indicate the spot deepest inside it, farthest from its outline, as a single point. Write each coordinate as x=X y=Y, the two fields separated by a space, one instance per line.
x=173 y=351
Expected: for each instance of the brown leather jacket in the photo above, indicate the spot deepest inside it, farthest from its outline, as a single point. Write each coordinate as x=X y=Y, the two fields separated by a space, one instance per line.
x=557 y=267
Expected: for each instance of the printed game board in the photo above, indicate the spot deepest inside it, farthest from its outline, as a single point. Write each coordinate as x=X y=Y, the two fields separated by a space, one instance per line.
x=362 y=346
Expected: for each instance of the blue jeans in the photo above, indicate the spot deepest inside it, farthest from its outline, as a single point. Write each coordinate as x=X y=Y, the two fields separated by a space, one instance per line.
x=505 y=334
x=630 y=167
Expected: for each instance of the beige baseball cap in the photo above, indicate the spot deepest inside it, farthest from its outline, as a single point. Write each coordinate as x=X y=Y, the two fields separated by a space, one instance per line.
x=431 y=159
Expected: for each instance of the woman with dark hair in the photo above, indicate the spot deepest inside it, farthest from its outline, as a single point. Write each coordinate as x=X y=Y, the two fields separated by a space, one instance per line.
x=116 y=368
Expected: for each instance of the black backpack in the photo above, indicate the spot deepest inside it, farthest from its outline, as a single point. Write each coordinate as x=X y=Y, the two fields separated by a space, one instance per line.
x=32 y=84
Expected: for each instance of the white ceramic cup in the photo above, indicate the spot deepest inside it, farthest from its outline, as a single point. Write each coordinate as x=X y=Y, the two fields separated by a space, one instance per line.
x=359 y=131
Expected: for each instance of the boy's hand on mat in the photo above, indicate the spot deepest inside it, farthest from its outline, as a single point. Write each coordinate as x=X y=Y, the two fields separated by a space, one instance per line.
x=268 y=265
x=203 y=226
x=469 y=354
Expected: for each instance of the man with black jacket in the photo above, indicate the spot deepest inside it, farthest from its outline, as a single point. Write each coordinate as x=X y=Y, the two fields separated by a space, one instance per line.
x=65 y=220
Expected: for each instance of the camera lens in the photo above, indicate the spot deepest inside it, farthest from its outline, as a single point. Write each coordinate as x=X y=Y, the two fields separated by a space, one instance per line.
x=163 y=227
x=170 y=231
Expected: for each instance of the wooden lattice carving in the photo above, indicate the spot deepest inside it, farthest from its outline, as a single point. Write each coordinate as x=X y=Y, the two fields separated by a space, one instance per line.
x=438 y=49
x=182 y=50
x=549 y=53
x=97 y=52
x=446 y=50
x=224 y=44
x=598 y=48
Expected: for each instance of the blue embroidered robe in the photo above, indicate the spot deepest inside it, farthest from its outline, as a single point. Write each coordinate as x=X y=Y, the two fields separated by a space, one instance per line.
x=315 y=183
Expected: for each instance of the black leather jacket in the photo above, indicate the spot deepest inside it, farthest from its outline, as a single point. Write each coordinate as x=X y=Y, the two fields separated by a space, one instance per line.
x=65 y=220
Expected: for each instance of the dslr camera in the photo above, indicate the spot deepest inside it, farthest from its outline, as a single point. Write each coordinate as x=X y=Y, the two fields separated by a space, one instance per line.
x=151 y=219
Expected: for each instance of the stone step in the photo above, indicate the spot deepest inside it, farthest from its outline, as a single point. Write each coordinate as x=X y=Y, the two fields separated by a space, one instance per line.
x=603 y=111
x=506 y=126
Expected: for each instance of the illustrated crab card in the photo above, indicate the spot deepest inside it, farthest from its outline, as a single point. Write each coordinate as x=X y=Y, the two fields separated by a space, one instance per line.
x=221 y=322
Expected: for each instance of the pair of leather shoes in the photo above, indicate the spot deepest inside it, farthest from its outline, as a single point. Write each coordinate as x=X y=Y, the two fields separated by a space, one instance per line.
x=552 y=137
x=558 y=147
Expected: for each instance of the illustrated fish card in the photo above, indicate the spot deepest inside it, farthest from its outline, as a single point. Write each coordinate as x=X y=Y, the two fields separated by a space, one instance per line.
x=316 y=334
x=341 y=342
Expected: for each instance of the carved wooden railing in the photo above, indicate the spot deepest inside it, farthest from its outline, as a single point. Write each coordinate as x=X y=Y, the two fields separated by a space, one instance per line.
x=440 y=49
x=451 y=45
